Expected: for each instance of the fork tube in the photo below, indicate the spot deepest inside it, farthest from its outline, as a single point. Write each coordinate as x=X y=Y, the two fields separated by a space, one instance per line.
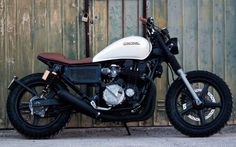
x=186 y=82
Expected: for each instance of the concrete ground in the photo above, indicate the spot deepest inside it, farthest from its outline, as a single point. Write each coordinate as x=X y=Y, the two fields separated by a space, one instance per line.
x=117 y=137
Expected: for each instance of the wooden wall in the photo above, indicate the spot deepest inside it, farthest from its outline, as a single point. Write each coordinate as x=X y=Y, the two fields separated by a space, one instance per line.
x=206 y=29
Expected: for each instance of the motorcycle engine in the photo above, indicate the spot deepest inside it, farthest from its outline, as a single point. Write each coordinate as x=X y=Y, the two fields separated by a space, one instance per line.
x=118 y=90
x=114 y=95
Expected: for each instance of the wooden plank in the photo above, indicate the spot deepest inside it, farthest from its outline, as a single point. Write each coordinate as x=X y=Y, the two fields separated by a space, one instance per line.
x=160 y=16
x=230 y=43
x=205 y=33
x=80 y=31
x=82 y=120
x=40 y=33
x=130 y=24
x=140 y=13
x=69 y=20
x=10 y=46
x=2 y=63
x=100 y=31
x=24 y=45
x=175 y=24
x=218 y=38
x=55 y=26
x=130 y=17
x=69 y=39
x=190 y=25
x=160 y=12
x=114 y=21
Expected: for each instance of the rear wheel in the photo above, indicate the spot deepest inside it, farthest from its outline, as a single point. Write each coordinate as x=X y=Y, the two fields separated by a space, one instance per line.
x=35 y=122
x=203 y=120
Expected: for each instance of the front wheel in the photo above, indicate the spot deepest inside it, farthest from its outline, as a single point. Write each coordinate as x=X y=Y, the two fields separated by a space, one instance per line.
x=206 y=119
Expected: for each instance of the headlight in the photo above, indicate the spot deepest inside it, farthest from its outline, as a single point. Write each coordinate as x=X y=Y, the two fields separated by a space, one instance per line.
x=173 y=45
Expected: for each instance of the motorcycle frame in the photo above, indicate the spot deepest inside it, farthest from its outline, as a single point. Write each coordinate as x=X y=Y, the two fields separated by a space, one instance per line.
x=163 y=56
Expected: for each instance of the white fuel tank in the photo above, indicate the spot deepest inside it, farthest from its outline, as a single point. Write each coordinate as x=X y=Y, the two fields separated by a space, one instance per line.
x=133 y=47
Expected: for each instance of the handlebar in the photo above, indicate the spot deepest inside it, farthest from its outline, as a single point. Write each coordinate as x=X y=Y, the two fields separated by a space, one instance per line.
x=143 y=20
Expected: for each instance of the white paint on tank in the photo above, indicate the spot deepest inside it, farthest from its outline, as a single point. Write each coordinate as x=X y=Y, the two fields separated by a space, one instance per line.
x=133 y=47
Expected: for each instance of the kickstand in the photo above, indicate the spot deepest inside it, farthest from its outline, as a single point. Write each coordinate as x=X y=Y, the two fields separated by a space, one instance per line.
x=127 y=129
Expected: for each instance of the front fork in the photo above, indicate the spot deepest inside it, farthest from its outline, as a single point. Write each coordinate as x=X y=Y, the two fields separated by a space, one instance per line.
x=179 y=71
x=186 y=82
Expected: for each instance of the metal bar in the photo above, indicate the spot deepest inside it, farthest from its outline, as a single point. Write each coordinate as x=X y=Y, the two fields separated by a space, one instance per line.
x=27 y=88
x=186 y=82
x=87 y=44
x=145 y=16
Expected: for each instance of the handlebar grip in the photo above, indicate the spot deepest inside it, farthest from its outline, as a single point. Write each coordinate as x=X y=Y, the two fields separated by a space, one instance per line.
x=143 y=20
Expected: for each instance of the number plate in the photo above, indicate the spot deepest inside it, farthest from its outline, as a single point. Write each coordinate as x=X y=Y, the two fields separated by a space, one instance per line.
x=45 y=75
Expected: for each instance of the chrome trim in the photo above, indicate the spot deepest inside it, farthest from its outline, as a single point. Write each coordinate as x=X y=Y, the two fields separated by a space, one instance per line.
x=186 y=82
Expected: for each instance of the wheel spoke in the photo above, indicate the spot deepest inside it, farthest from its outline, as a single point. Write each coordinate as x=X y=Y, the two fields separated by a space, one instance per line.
x=24 y=106
x=212 y=105
x=201 y=115
x=36 y=120
x=188 y=109
x=204 y=90
x=35 y=92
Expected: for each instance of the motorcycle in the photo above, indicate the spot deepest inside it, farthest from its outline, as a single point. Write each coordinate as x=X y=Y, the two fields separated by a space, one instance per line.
x=198 y=103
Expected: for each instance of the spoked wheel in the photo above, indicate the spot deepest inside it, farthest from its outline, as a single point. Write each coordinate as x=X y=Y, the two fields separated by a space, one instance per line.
x=210 y=116
x=35 y=121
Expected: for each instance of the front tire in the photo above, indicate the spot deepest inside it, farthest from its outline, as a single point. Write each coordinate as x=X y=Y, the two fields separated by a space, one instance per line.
x=21 y=117
x=204 y=120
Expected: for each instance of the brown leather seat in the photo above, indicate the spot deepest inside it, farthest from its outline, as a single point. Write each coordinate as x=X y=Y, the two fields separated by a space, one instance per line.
x=57 y=57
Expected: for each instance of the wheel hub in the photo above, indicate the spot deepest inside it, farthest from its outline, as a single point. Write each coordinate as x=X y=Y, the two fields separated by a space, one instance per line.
x=208 y=113
x=37 y=110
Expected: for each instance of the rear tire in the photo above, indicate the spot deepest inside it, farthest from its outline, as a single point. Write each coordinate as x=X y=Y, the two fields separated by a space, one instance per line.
x=19 y=113
x=199 y=121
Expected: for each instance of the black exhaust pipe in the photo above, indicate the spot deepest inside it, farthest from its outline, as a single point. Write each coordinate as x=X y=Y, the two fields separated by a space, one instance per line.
x=78 y=103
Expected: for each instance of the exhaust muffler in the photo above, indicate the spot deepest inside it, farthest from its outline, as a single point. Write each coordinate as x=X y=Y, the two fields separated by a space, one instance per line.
x=78 y=103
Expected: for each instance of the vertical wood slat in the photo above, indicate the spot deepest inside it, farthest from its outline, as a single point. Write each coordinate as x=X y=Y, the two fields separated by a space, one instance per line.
x=55 y=26
x=69 y=22
x=218 y=38
x=205 y=23
x=230 y=44
x=206 y=29
x=100 y=31
x=24 y=19
x=159 y=12
x=40 y=32
x=10 y=45
x=190 y=34
x=114 y=20
x=130 y=18
x=2 y=63
x=175 y=24
x=100 y=38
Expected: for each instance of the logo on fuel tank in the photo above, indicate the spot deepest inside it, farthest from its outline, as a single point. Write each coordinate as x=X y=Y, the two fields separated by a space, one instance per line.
x=131 y=43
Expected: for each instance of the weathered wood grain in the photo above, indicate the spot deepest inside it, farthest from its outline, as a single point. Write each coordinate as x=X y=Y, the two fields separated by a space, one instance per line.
x=218 y=38
x=205 y=41
x=205 y=28
x=40 y=28
x=55 y=26
x=69 y=22
x=190 y=34
x=2 y=63
x=159 y=12
x=114 y=20
x=175 y=24
x=130 y=18
x=230 y=44
x=10 y=46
